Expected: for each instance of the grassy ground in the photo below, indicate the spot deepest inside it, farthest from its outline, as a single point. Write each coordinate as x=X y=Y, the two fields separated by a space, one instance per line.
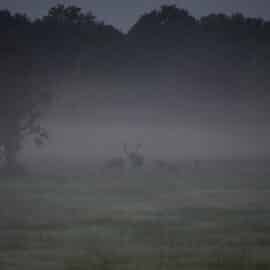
x=134 y=222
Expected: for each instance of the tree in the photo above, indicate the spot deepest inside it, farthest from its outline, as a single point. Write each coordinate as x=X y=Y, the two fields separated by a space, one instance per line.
x=168 y=19
x=22 y=100
x=61 y=14
x=74 y=38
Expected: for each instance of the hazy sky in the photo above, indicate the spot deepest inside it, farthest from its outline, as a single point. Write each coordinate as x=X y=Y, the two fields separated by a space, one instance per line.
x=123 y=13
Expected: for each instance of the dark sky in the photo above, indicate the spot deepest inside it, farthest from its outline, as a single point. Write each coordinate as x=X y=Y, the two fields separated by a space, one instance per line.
x=123 y=13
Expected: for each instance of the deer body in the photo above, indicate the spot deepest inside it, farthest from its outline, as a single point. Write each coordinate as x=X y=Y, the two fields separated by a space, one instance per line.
x=135 y=159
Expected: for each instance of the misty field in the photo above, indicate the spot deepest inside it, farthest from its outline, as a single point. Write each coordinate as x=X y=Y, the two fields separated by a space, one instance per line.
x=201 y=219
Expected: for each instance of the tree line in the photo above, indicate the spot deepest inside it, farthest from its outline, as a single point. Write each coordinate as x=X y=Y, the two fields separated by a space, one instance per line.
x=165 y=44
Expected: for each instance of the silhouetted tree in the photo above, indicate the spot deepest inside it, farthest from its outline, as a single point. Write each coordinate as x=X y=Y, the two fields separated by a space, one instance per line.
x=60 y=14
x=34 y=52
x=22 y=99
x=75 y=39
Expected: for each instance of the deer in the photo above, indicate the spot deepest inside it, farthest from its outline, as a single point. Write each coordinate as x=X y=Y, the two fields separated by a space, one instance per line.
x=135 y=159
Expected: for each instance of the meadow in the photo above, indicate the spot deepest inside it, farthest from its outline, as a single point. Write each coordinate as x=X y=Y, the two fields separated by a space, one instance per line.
x=200 y=219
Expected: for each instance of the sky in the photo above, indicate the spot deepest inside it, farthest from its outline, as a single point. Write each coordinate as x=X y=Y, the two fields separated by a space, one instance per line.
x=124 y=13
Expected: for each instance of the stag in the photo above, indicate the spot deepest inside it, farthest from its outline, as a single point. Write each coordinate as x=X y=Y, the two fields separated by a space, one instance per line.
x=135 y=159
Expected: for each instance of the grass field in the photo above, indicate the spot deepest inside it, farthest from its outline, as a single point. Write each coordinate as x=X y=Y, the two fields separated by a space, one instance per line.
x=136 y=220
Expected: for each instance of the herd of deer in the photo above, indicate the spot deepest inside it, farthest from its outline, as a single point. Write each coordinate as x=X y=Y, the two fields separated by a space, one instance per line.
x=135 y=159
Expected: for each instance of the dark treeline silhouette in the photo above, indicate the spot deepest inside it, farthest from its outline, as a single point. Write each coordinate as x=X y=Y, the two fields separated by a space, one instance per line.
x=215 y=50
x=35 y=55
x=167 y=49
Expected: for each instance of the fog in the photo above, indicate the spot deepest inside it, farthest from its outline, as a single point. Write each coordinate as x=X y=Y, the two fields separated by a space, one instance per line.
x=170 y=125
